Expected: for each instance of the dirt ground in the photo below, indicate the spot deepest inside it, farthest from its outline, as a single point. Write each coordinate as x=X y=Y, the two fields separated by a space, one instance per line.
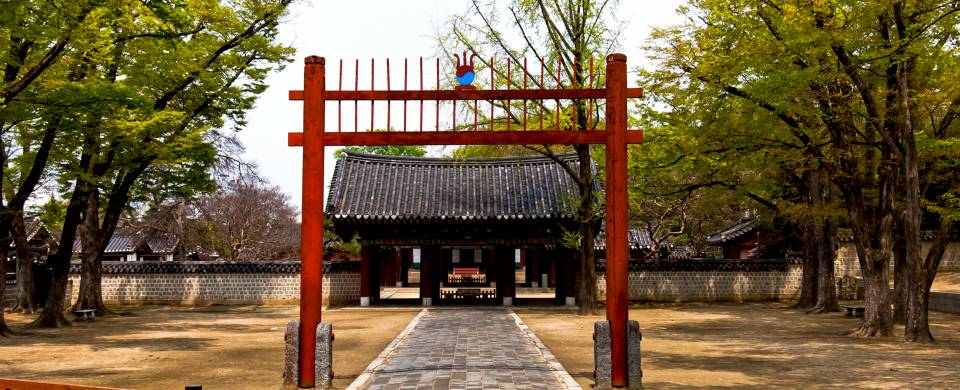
x=220 y=347
x=759 y=345
x=947 y=282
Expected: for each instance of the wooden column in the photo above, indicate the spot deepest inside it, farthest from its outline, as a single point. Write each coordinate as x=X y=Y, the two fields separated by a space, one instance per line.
x=367 y=275
x=533 y=266
x=428 y=258
x=616 y=191
x=506 y=283
x=388 y=267
x=311 y=228
x=406 y=258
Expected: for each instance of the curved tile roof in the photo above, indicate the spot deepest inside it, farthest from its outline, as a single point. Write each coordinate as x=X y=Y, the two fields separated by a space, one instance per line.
x=746 y=225
x=390 y=188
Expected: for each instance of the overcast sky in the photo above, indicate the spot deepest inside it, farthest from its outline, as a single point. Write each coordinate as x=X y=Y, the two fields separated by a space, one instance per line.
x=366 y=29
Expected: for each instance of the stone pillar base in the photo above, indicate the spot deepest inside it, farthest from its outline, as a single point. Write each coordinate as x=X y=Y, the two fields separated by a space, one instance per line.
x=534 y=284
x=291 y=357
x=570 y=301
x=364 y=301
x=323 y=368
x=601 y=355
x=428 y=301
x=507 y=301
x=544 y=280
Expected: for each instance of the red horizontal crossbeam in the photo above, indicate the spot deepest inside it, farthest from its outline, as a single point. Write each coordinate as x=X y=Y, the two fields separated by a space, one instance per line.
x=496 y=94
x=550 y=137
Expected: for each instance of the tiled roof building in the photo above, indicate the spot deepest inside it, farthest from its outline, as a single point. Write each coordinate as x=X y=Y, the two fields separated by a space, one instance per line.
x=455 y=215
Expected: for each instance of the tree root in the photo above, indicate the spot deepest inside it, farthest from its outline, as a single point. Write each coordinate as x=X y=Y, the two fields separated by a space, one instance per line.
x=5 y=330
x=21 y=309
x=869 y=330
x=920 y=338
x=50 y=320
x=822 y=309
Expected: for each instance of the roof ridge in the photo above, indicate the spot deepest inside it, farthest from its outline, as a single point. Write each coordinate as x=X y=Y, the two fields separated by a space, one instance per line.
x=361 y=156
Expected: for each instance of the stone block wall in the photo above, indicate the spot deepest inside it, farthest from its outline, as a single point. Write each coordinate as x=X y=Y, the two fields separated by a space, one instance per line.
x=710 y=281
x=9 y=297
x=945 y=302
x=205 y=283
x=848 y=265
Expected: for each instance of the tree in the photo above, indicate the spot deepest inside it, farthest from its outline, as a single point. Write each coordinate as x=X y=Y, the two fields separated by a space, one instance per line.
x=171 y=72
x=38 y=35
x=388 y=150
x=250 y=222
x=845 y=81
x=568 y=33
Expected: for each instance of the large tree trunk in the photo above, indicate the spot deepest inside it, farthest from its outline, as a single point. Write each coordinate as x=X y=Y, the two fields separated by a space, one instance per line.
x=811 y=268
x=26 y=287
x=827 y=300
x=809 y=280
x=823 y=237
x=587 y=290
x=918 y=270
x=4 y=329
x=899 y=279
x=877 y=319
x=52 y=314
x=90 y=295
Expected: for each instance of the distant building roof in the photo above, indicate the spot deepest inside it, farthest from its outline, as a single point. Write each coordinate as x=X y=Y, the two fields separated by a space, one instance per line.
x=130 y=243
x=389 y=188
x=637 y=237
x=746 y=225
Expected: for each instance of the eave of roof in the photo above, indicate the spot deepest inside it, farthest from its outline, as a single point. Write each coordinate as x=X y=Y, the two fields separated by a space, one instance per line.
x=733 y=231
x=370 y=188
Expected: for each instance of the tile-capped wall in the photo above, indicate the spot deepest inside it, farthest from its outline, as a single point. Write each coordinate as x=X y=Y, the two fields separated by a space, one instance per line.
x=719 y=285
x=233 y=283
x=847 y=263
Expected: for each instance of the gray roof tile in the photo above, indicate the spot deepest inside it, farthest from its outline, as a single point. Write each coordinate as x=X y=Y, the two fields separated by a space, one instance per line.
x=373 y=187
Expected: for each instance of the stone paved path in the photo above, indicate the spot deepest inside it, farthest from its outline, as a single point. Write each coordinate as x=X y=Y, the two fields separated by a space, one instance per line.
x=467 y=349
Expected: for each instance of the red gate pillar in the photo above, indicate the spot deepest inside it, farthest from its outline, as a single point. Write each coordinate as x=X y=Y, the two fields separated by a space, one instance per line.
x=311 y=228
x=616 y=188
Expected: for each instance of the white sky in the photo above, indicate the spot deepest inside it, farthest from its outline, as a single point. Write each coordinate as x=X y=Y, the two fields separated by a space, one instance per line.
x=366 y=29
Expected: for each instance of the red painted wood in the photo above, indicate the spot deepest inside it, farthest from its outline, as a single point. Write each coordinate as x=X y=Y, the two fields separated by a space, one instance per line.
x=20 y=384
x=311 y=274
x=497 y=94
x=366 y=271
x=549 y=137
x=616 y=191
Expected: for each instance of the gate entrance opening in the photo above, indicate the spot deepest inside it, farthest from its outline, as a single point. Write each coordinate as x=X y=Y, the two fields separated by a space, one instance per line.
x=614 y=136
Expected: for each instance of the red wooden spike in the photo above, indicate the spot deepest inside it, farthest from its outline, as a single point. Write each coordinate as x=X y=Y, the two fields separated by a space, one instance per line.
x=340 y=103
x=508 y=100
x=388 y=88
x=524 y=88
x=356 y=87
x=437 y=128
x=421 y=88
x=373 y=87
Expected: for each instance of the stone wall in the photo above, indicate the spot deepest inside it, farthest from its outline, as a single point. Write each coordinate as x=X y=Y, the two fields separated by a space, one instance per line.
x=848 y=265
x=204 y=283
x=710 y=280
x=9 y=297
x=945 y=302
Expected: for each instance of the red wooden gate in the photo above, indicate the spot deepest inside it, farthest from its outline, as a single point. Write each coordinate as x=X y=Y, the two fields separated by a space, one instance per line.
x=615 y=136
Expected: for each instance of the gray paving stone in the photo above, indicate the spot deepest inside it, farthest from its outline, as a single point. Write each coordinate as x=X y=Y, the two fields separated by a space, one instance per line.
x=466 y=349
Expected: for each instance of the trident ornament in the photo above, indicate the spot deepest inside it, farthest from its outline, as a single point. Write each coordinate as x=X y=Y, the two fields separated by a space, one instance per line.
x=465 y=73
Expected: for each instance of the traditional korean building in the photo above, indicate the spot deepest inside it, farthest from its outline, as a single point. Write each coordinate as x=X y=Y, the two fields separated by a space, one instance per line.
x=739 y=240
x=472 y=230
x=137 y=247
